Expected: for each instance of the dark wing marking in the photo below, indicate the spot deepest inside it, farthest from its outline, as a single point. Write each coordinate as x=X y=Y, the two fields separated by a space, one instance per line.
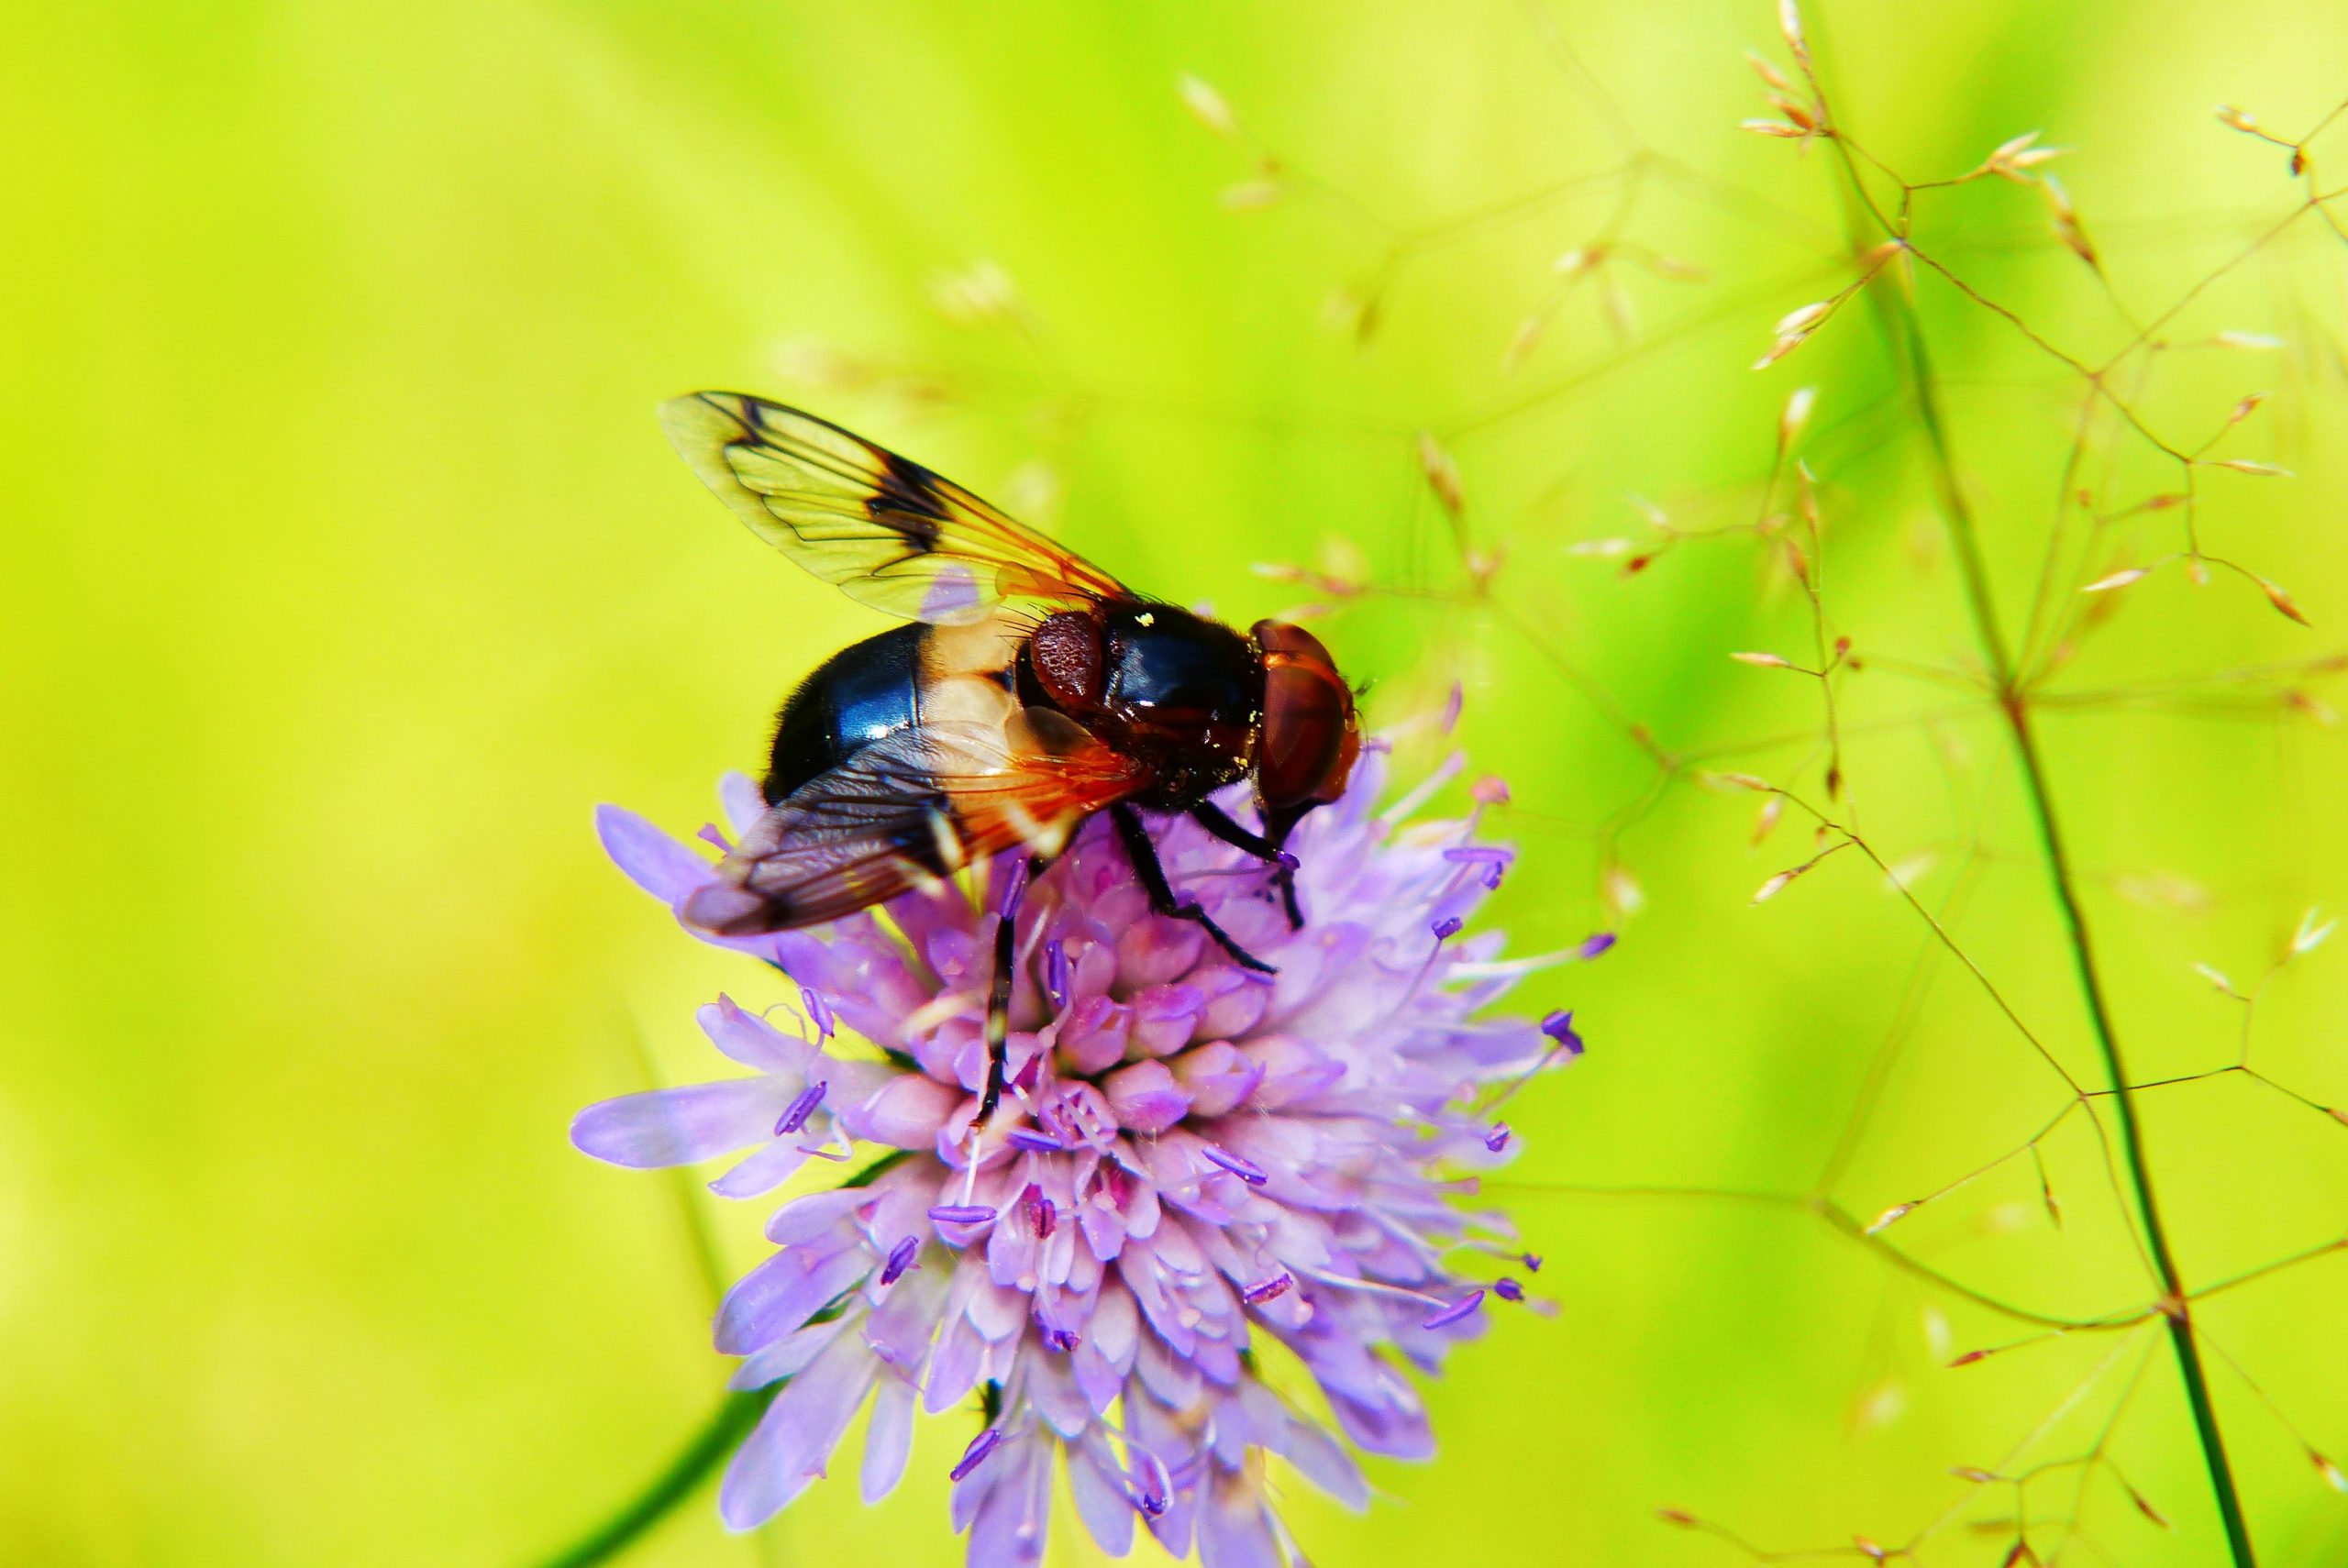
x=913 y=808
x=883 y=529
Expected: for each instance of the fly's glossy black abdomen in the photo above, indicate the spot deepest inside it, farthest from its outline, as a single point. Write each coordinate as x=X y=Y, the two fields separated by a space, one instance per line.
x=863 y=693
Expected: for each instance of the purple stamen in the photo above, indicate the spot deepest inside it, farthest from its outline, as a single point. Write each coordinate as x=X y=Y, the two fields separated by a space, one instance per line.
x=817 y=1009
x=976 y=1454
x=1456 y=1310
x=1493 y=878
x=1497 y=1138
x=1286 y=861
x=1014 y=890
x=794 y=1115
x=901 y=1258
x=1559 y=1027
x=1508 y=1289
x=1532 y=1262
x=1446 y=928
x=1057 y=1338
x=1041 y=1213
x=1246 y=1170
x=1035 y=1143
x=1594 y=946
x=1055 y=972
x=961 y=1214
x=1269 y=1289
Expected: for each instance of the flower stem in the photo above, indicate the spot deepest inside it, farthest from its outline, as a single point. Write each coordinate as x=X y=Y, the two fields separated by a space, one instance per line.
x=1901 y=323
x=684 y=1475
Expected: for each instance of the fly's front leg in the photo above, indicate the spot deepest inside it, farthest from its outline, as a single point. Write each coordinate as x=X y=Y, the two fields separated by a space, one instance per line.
x=1285 y=880
x=1265 y=847
x=1006 y=937
x=1278 y=825
x=1146 y=867
x=1216 y=821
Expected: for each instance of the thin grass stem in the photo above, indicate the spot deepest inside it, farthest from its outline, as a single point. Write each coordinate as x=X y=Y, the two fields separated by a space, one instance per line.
x=1905 y=338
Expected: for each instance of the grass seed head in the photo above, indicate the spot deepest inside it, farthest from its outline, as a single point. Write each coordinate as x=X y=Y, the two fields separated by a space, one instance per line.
x=1441 y=473
x=2281 y=599
x=1795 y=415
x=1208 y=106
x=1251 y=195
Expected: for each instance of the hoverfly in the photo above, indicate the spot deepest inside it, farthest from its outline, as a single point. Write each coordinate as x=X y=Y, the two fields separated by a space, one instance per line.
x=1030 y=690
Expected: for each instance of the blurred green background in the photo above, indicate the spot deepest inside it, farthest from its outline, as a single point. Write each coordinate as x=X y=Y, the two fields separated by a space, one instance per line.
x=345 y=571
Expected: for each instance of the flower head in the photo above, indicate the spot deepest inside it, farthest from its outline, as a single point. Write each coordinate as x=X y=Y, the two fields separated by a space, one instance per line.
x=1193 y=1160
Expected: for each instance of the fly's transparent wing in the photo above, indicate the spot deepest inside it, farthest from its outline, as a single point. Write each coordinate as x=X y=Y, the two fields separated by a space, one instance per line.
x=908 y=810
x=881 y=528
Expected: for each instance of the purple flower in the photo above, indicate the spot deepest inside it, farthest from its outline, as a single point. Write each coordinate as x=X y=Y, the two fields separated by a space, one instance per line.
x=1193 y=1159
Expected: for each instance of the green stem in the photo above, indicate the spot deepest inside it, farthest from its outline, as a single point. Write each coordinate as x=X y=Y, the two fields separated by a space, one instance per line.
x=1901 y=324
x=2174 y=1308
x=684 y=1475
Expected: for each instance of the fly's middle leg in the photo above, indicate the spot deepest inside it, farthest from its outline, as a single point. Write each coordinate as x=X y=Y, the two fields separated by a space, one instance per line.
x=1162 y=900
x=1006 y=936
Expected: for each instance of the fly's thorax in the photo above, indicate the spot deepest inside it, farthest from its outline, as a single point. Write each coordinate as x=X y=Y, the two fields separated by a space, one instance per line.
x=1181 y=692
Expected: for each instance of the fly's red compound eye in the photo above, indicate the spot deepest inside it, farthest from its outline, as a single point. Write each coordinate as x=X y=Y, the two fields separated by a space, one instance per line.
x=1305 y=750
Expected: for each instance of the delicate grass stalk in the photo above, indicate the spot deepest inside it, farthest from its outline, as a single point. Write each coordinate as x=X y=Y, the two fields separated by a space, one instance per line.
x=1904 y=335
x=2174 y=1305
x=684 y=1475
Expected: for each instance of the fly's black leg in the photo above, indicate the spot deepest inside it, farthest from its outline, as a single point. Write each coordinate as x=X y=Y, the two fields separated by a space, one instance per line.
x=1285 y=880
x=998 y=989
x=1263 y=847
x=1144 y=855
x=1217 y=821
x=1278 y=825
